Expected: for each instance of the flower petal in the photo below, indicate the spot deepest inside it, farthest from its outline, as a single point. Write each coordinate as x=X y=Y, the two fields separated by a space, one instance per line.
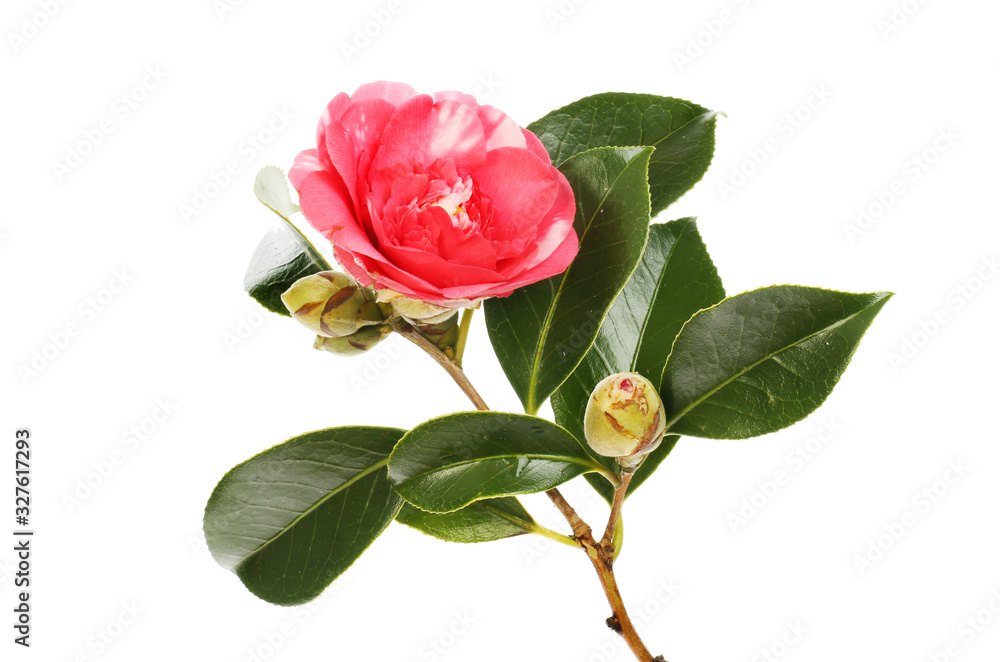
x=499 y=129
x=422 y=131
x=536 y=146
x=394 y=93
x=521 y=186
x=305 y=164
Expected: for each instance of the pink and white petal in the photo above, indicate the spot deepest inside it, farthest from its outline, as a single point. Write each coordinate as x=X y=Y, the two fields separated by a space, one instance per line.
x=422 y=131
x=535 y=146
x=327 y=207
x=341 y=154
x=461 y=97
x=364 y=122
x=520 y=186
x=499 y=129
x=305 y=164
x=333 y=111
x=394 y=93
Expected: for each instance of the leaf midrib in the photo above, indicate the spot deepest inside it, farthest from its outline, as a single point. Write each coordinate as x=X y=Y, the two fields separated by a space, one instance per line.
x=673 y=420
x=530 y=456
x=340 y=488
x=536 y=363
x=652 y=301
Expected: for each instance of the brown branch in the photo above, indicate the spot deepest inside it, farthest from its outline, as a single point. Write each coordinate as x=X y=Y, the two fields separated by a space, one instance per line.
x=418 y=339
x=601 y=554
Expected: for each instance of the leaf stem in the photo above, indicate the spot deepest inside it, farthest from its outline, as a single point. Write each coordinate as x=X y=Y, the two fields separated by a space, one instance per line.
x=463 y=334
x=546 y=532
x=621 y=490
x=598 y=553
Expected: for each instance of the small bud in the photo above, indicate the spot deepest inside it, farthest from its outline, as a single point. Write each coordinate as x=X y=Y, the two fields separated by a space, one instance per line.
x=332 y=304
x=413 y=310
x=625 y=417
x=354 y=344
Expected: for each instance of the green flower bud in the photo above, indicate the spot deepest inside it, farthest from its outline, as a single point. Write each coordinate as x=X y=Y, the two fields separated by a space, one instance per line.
x=413 y=310
x=625 y=417
x=332 y=304
x=354 y=344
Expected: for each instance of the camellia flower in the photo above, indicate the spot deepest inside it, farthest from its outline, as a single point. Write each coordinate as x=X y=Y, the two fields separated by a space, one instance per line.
x=435 y=197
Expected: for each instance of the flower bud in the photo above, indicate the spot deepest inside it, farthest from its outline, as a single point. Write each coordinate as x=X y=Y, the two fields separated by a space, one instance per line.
x=354 y=344
x=625 y=417
x=413 y=310
x=332 y=304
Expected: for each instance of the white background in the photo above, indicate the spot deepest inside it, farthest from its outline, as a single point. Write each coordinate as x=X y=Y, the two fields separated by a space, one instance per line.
x=182 y=333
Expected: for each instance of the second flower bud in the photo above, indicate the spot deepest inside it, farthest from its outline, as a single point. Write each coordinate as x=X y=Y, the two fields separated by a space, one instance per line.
x=332 y=304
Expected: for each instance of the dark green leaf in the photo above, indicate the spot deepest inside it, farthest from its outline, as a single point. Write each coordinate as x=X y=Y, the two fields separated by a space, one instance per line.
x=449 y=462
x=674 y=280
x=763 y=360
x=541 y=332
x=292 y=519
x=284 y=255
x=482 y=521
x=683 y=134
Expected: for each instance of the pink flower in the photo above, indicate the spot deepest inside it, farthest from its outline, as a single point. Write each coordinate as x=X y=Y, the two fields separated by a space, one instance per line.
x=435 y=197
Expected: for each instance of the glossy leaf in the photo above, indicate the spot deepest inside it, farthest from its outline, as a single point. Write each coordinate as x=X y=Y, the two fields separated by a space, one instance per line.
x=292 y=519
x=284 y=255
x=482 y=521
x=541 y=332
x=675 y=279
x=761 y=361
x=449 y=462
x=683 y=134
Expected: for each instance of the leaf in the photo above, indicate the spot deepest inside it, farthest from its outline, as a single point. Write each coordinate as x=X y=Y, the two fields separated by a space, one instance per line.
x=683 y=134
x=761 y=361
x=284 y=255
x=541 y=332
x=675 y=279
x=482 y=521
x=292 y=519
x=271 y=188
x=449 y=462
